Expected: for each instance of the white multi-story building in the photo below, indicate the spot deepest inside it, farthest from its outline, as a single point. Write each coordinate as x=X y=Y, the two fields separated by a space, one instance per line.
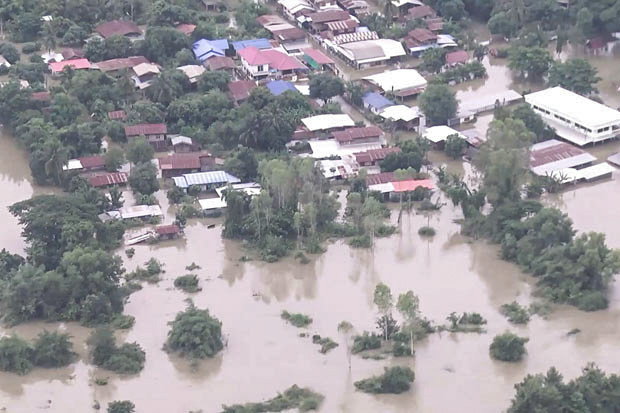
x=575 y=118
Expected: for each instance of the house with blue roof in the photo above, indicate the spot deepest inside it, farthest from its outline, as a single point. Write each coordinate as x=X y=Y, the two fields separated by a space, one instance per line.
x=277 y=87
x=260 y=44
x=375 y=102
x=204 y=49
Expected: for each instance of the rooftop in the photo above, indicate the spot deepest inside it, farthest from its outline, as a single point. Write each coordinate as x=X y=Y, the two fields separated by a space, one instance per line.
x=75 y=64
x=138 y=211
x=193 y=71
x=575 y=107
x=146 y=129
x=420 y=12
x=374 y=155
x=275 y=59
x=351 y=134
x=261 y=43
x=277 y=87
x=41 y=96
x=180 y=161
x=401 y=112
x=376 y=100
x=204 y=49
x=325 y=16
x=396 y=80
x=94 y=161
x=240 y=89
x=342 y=25
x=318 y=56
x=117 y=115
x=422 y=35
x=554 y=155
x=145 y=69
x=458 y=56
x=117 y=28
x=205 y=178
x=121 y=63
x=167 y=229
x=113 y=178
x=219 y=63
x=438 y=134
x=327 y=121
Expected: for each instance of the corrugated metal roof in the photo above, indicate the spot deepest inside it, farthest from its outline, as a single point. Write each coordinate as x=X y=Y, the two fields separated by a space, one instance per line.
x=146 y=129
x=376 y=100
x=113 y=178
x=117 y=28
x=205 y=178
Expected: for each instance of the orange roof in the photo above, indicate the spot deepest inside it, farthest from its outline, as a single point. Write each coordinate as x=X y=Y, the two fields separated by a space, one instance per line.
x=412 y=184
x=76 y=64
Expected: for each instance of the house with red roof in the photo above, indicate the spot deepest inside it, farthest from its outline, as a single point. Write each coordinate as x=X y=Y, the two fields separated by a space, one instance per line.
x=458 y=57
x=261 y=64
x=108 y=179
x=75 y=64
x=372 y=157
x=119 y=28
x=155 y=134
x=421 y=12
x=185 y=163
x=363 y=135
x=240 y=89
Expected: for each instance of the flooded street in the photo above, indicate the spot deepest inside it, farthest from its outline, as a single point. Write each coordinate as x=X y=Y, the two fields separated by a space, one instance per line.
x=449 y=272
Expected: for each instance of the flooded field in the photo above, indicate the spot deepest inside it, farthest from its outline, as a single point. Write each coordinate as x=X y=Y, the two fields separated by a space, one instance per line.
x=454 y=372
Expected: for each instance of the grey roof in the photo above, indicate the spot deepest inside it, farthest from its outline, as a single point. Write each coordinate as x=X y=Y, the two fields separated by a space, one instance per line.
x=205 y=178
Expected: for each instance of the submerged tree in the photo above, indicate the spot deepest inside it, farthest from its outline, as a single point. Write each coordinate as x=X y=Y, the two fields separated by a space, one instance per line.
x=384 y=302
x=195 y=334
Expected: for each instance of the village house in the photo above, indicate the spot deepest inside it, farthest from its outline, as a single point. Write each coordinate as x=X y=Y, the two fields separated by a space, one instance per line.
x=261 y=64
x=458 y=57
x=421 y=12
x=85 y=164
x=144 y=73
x=261 y=44
x=291 y=38
x=4 y=62
x=357 y=8
x=185 y=163
x=119 y=28
x=318 y=60
x=193 y=72
x=240 y=90
x=420 y=40
x=367 y=53
x=182 y=144
x=372 y=157
x=277 y=87
x=205 y=180
x=320 y=19
x=205 y=49
x=437 y=135
x=165 y=232
x=72 y=53
x=223 y=64
x=296 y=10
x=405 y=117
x=404 y=6
x=44 y=97
x=76 y=64
x=114 y=67
x=361 y=135
x=375 y=102
x=435 y=25
x=119 y=115
x=155 y=134
x=400 y=82
x=108 y=179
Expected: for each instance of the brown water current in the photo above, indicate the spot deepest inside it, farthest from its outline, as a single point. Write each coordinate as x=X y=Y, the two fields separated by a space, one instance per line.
x=449 y=272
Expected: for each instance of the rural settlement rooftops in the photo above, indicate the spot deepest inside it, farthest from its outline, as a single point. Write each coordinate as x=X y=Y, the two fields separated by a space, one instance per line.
x=75 y=64
x=401 y=112
x=275 y=59
x=328 y=121
x=240 y=89
x=325 y=16
x=553 y=155
x=146 y=129
x=376 y=100
x=317 y=56
x=396 y=80
x=117 y=28
x=261 y=43
x=180 y=161
x=458 y=56
x=205 y=178
x=112 y=178
x=373 y=155
x=352 y=134
x=121 y=63
x=439 y=133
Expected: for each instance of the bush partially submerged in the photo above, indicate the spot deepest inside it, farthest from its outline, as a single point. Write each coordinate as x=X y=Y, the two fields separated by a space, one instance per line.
x=150 y=272
x=326 y=343
x=303 y=399
x=127 y=359
x=195 y=334
x=508 y=347
x=426 y=231
x=15 y=355
x=50 y=349
x=296 y=319
x=366 y=342
x=515 y=313
x=394 y=380
x=187 y=283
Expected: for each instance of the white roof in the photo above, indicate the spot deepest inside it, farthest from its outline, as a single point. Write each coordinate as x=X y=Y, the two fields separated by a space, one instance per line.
x=401 y=112
x=192 y=71
x=205 y=178
x=591 y=172
x=145 y=68
x=303 y=89
x=333 y=168
x=560 y=155
x=437 y=134
x=391 y=48
x=212 y=203
x=331 y=147
x=575 y=107
x=295 y=5
x=249 y=188
x=140 y=211
x=399 y=3
x=175 y=140
x=446 y=40
x=383 y=188
x=4 y=62
x=52 y=57
x=328 y=121
x=396 y=80
x=72 y=164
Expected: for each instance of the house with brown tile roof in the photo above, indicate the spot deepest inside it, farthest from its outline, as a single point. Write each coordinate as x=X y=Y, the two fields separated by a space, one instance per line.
x=118 y=28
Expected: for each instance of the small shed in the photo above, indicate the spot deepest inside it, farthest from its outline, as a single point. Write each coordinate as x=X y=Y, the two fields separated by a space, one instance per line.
x=182 y=144
x=375 y=102
x=167 y=231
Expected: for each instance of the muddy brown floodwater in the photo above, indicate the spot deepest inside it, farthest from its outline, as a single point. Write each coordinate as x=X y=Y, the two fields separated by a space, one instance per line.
x=449 y=272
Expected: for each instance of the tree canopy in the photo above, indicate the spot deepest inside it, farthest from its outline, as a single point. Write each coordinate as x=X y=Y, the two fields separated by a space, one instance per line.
x=438 y=103
x=576 y=75
x=195 y=334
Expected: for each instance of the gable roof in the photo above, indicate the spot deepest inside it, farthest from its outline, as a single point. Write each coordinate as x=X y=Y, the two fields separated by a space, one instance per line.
x=422 y=35
x=44 y=96
x=376 y=100
x=351 y=134
x=72 y=53
x=318 y=56
x=117 y=28
x=146 y=129
x=275 y=59
x=240 y=89
x=112 y=178
x=342 y=25
x=75 y=64
x=117 y=115
x=373 y=155
x=220 y=62
x=145 y=69
x=95 y=161
x=167 y=229
x=329 y=16
x=120 y=63
x=277 y=87
x=412 y=184
x=421 y=11
x=180 y=161
x=204 y=49
x=458 y=56
x=261 y=43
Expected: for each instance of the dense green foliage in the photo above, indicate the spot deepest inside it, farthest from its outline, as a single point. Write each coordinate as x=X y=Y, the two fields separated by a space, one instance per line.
x=593 y=391
x=187 y=283
x=515 y=313
x=577 y=75
x=438 y=103
x=15 y=355
x=296 y=319
x=300 y=398
x=454 y=146
x=508 y=347
x=530 y=62
x=461 y=73
x=125 y=359
x=394 y=380
x=325 y=86
x=50 y=349
x=326 y=343
x=195 y=334
x=366 y=341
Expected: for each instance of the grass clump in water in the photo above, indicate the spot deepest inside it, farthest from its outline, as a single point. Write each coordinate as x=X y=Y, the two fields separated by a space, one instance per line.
x=394 y=380
x=366 y=341
x=426 y=231
x=187 y=283
x=150 y=272
x=516 y=313
x=303 y=399
x=296 y=319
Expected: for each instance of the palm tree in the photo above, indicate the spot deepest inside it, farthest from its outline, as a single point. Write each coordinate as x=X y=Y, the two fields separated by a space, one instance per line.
x=57 y=156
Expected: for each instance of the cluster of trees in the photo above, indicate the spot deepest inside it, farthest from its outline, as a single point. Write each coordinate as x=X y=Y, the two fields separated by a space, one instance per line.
x=570 y=269
x=294 y=204
x=50 y=349
x=127 y=358
x=508 y=347
x=302 y=398
x=365 y=216
x=439 y=104
x=593 y=391
x=394 y=380
x=195 y=334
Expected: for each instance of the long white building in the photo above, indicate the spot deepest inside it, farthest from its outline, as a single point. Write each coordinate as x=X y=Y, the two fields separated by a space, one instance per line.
x=575 y=118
